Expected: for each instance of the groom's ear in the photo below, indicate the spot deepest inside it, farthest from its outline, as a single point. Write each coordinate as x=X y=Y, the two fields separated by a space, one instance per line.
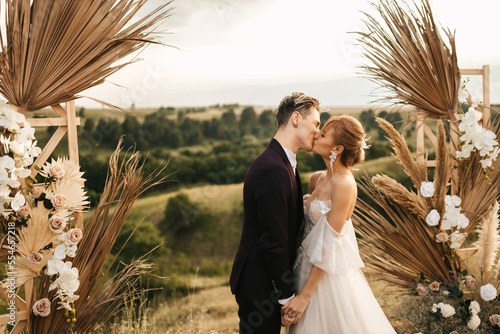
x=294 y=118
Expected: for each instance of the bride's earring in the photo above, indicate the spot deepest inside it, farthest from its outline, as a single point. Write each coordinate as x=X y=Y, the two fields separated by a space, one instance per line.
x=333 y=156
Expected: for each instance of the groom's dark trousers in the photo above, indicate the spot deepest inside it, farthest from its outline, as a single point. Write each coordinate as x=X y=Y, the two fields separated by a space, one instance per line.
x=273 y=213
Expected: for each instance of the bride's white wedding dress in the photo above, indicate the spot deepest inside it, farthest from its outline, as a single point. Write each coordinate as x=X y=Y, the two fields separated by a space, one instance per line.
x=343 y=302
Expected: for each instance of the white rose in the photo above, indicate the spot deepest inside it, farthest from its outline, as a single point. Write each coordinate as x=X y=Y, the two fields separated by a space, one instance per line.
x=474 y=307
x=474 y=322
x=427 y=189
x=432 y=218
x=447 y=310
x=488 y=292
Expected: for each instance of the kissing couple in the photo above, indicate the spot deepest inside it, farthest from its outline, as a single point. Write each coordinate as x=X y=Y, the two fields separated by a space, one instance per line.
x=298 y=262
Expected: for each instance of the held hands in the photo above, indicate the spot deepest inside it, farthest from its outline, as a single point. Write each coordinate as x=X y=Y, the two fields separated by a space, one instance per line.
x=293 y=310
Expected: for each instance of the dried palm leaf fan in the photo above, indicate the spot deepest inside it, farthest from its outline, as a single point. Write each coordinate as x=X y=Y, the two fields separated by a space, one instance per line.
x=54 y=49
x=410 y=58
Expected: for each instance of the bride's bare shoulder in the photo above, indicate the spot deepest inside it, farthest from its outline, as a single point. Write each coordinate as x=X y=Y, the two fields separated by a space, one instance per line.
x=344 y=183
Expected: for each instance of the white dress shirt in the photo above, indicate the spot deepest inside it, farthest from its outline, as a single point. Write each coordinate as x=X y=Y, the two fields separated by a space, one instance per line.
x=291 y=157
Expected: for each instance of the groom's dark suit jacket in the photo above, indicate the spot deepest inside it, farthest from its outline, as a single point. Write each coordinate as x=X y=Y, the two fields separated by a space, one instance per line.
x=273 y=214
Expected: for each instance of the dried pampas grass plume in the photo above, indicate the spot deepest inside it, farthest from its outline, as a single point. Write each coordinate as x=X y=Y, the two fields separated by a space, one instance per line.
x=401 y=195
x=415 y=170
x=489 y=241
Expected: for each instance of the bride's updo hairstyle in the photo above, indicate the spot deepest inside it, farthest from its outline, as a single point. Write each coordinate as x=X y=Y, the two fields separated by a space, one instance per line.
x=349 y=133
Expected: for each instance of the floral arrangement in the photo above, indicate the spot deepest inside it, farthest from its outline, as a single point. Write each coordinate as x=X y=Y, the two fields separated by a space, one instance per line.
x=462 y=306
x=60 y=268
x=416 y=235
x=44 y=231
x=42 y=214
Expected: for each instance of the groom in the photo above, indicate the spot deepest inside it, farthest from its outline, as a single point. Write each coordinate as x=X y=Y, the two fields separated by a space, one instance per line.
x=261 y=277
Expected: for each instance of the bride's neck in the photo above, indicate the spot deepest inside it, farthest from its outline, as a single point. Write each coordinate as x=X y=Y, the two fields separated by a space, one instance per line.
x=338 y=168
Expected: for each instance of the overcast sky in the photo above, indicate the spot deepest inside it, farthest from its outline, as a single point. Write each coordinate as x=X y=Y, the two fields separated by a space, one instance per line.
x=257 y=51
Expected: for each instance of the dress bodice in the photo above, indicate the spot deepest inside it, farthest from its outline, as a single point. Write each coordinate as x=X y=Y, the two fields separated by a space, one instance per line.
x=324 y=247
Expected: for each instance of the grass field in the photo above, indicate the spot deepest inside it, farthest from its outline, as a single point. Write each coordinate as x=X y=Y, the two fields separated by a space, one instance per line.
x=211 y=308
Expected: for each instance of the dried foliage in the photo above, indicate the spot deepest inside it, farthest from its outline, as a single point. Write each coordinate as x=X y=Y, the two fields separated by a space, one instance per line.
x=443 y=170
x=409 y=58
x=53 y=50
x=100 y=298
x=401 y=244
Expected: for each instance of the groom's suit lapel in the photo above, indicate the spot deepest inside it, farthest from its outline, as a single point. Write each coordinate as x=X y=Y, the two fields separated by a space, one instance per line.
x=275 y=145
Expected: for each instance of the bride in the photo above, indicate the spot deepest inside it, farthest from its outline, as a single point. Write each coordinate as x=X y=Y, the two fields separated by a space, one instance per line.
x=334 y=294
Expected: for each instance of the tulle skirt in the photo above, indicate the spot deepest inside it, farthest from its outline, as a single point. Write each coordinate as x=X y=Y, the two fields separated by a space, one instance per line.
x=341 y=304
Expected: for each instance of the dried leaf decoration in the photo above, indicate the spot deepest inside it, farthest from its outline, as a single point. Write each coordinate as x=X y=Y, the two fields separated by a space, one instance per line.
x=54 y=49
x=408 y=57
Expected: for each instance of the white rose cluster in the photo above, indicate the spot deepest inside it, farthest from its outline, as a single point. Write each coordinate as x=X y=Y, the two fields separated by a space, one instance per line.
x=446 y=309
x=476 y=137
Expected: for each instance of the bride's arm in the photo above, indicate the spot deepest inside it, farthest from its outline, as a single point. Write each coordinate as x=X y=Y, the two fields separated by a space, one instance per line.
x=342 y=197
x=298 y=304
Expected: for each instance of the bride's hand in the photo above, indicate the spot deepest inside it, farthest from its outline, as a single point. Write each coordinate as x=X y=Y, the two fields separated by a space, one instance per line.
x=293 y=310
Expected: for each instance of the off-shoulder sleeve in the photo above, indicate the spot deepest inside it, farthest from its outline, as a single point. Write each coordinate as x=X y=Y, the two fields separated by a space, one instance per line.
x=333 y=252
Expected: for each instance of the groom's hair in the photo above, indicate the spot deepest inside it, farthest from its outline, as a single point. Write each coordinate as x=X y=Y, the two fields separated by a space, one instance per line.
x=296 y=102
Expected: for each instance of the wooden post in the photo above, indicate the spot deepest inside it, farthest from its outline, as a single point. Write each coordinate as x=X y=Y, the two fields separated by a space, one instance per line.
x=486 y=96
x=420 y=138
